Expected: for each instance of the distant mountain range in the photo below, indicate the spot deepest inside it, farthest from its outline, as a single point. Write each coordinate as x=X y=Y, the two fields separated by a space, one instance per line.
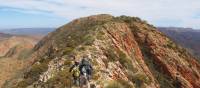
x=187 y=37
x=4 y=36
x=28 y=31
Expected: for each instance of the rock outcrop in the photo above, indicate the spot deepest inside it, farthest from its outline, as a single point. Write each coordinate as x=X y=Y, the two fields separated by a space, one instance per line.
x=125 y=52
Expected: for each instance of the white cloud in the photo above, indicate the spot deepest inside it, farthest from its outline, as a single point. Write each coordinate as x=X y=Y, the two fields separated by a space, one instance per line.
x=151 y=10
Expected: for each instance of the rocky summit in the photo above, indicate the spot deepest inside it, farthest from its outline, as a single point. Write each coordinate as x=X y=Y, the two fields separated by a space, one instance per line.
x=125 y=52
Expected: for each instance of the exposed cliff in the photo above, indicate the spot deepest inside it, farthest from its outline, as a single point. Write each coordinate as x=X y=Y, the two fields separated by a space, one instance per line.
x=126 y=52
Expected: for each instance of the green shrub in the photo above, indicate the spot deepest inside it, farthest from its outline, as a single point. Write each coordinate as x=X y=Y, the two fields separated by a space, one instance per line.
x=125 y=83
x=68 y=50
x=140 y=79
x=95 y=76
x=111 y=55
x=24 y=54
x=37 y=69
x=22 y=84
x=94 y=62
x=33 y=73
x=114 y=84
x=126 y=19
x=129 y=19
x=171 y=45
x=82 y=48
x=61 y=79
x=100 y=35
x=88 y=40
x=164 y=80
x=68 y=62
x=125 y=61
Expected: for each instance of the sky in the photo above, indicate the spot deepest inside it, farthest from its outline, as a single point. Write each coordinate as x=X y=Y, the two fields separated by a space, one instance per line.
x=55 y=13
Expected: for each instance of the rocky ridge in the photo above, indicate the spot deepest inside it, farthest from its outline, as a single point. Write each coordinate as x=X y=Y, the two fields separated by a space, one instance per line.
x=126 y=52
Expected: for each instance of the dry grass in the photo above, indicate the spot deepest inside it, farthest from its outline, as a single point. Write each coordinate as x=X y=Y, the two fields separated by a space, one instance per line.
x=9 y=67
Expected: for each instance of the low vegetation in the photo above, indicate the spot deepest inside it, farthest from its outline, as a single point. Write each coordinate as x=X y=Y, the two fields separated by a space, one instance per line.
x=61 y=79
x=125 y=61
x=25 y=54
x=33 y=74
x=164 y=80
x=114 y=84
x=111 y=54
x=119 y=84
x=100 y=35
x=140 y=80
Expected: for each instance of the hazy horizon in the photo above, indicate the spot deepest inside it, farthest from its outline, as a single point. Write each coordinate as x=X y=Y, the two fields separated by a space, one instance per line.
x=43 y=28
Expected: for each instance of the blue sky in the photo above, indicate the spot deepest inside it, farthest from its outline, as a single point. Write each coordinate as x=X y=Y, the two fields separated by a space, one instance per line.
x=54 y=13
x=16 y=19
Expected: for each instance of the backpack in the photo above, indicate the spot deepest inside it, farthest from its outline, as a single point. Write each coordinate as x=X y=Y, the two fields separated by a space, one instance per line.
x=83 y=70
x=86 y=63
x=76 y=71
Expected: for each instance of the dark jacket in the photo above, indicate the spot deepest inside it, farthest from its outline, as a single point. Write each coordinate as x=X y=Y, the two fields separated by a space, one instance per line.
x=85 y=64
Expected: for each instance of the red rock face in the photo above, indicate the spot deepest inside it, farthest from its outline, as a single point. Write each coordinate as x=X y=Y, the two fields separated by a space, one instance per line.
x=173 y=60
x=178 y=65
x=123 y=39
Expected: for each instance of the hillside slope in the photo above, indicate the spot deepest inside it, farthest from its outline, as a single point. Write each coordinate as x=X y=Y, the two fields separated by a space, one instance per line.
x=188 y=38
x=13 y=54
x=125 y=52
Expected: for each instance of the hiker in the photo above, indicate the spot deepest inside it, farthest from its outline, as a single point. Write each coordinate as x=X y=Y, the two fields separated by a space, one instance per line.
x=75 y=73
x=177 y=83
x=86 y=68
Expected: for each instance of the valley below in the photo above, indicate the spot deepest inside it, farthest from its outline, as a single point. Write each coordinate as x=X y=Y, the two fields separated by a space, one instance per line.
x=14 y=51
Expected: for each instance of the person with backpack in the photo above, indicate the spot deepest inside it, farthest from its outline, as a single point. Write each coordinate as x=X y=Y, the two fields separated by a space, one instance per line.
x=86 y=68
x=75 y=73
